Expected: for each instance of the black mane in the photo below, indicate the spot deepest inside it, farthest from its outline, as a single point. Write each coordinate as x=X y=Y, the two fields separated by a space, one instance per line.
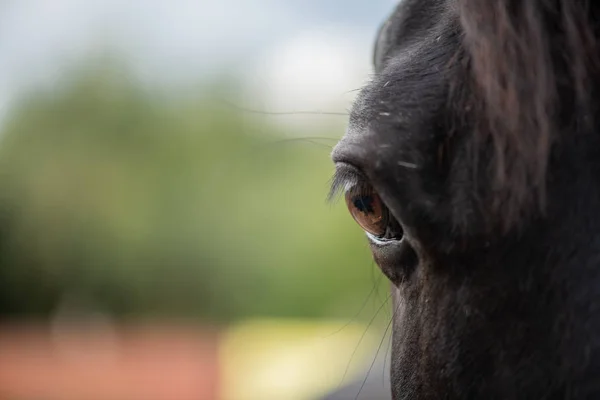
x=534 y=67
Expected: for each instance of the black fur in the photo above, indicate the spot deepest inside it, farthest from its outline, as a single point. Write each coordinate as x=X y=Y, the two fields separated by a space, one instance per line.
x=496 y=285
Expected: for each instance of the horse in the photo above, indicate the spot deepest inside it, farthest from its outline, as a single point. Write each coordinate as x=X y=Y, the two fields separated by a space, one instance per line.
x=471 y=160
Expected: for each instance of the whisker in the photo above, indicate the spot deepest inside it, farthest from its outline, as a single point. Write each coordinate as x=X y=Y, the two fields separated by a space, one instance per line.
x=389 y=344
x=376 y=274
x=362 y=338
x=358 y=313
x=308 y=139
x=375 y=358
x=281 y=113
x=387 y=351
x=353 y=90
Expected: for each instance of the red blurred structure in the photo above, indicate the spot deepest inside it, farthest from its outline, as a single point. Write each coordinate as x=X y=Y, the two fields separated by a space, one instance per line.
x=150 y=362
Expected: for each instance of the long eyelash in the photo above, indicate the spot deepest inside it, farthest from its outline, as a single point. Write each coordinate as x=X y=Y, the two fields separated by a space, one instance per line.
x=339 y=185
x=347 y=179
x=343 y=181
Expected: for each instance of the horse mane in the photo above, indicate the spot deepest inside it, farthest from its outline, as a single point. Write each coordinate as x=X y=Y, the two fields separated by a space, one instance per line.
x=533 y=64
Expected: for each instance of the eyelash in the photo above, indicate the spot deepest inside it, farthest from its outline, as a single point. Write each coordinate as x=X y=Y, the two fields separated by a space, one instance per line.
x=343 y=181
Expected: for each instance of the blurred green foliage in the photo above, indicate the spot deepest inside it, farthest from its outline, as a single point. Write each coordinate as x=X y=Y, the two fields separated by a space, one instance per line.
x=145 y=205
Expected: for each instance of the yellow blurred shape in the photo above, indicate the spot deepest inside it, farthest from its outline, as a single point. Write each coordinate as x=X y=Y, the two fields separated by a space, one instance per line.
x=292 y=359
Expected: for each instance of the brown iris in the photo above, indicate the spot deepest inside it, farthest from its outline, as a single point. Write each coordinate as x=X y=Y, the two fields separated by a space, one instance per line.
x=368 y=211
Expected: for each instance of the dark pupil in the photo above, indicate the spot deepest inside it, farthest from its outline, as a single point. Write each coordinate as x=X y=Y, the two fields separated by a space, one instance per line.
x=364 y=204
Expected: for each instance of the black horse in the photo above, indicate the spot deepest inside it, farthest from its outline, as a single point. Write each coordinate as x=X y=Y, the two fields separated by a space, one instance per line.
x=472 y=161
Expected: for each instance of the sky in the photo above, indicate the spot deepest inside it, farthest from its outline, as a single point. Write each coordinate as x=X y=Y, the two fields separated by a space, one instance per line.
x=297 y=54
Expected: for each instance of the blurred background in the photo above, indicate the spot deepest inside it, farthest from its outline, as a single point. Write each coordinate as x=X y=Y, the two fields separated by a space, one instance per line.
x=164 y=232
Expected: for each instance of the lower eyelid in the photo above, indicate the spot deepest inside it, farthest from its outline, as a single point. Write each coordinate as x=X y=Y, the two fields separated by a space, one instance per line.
x=381 y=242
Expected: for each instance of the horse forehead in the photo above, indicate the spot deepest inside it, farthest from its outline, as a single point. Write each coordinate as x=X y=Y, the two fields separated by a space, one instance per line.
x=384 y=115
x=390 y=117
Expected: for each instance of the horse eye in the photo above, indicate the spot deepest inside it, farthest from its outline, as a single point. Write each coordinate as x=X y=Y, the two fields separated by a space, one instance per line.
x=368 y=211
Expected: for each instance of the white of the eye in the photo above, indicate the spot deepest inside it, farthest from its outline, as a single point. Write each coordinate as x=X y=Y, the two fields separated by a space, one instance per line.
x=382 y=242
